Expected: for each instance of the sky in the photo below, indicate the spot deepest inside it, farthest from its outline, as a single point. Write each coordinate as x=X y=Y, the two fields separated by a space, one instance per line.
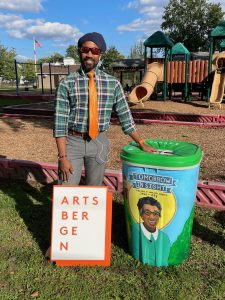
x=56 y=24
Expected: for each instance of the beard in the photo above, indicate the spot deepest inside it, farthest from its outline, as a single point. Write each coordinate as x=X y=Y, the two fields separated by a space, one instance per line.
x=89 y=64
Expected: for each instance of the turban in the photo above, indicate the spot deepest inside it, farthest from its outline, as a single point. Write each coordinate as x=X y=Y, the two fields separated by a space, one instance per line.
x=94 y=37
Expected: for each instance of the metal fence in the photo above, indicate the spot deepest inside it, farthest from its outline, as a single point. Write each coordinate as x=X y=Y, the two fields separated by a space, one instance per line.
x=30 y=78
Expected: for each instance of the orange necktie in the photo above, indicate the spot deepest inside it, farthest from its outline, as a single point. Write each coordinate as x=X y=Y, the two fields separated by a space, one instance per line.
x=93 y=107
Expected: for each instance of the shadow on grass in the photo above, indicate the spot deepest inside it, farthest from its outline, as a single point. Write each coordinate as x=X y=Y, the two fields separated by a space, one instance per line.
x=34 y=207
x=119 y=234
x=220 y=217
x=208 y=235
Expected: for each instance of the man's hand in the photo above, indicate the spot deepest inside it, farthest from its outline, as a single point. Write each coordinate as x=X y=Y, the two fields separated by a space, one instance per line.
x=147 y=148
x=65 y=169
x=141 y=142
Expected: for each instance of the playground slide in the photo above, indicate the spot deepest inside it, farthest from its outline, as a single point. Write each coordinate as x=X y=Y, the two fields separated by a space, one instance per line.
x=143 y=91
x=217 y=89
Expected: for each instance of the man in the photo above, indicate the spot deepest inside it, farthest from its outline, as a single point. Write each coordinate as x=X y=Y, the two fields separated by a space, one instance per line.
x=149 y=244
x=84 y=98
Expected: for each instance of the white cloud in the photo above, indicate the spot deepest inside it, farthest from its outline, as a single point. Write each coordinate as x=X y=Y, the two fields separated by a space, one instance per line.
x=139 y=25
x=21 y=5
x=152 y=16
x=55 y=31
x=152 y=11
x=18 y=27
x=142 y=6
x=21 y=58
x=11 y=22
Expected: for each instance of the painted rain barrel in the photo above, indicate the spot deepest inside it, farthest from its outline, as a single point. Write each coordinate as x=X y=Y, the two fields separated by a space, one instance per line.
x=159 y=199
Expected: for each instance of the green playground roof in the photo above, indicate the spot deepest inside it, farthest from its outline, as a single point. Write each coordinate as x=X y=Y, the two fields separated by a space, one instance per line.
x=222 y=44
x=158 y=40
x=219 y=30
x=179 y=48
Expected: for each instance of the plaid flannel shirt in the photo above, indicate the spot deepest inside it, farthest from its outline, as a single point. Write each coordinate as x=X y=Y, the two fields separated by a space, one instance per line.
x=71 y=103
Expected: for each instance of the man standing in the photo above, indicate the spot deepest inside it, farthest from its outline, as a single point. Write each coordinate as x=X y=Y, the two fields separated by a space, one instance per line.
x=83 y=106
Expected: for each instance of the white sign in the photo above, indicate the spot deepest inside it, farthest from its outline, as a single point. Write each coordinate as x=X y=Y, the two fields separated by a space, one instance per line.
x=81 y=225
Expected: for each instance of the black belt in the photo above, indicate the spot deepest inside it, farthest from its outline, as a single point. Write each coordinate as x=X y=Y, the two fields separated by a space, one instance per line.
x=84 y=135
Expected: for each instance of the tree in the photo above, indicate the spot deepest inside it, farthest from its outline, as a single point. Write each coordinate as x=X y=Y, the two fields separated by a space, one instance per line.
x=55 y=57
x=28 y=70
x=190 y=22
x=72 y=51
x=137 y=51
x=7 y=68
x=109 y=58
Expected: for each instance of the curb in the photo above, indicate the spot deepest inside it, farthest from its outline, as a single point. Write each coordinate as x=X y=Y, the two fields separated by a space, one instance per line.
x=140 y=117
x=210 y=194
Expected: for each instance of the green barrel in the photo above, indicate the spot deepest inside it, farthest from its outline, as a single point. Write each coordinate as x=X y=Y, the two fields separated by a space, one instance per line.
x=159 y=197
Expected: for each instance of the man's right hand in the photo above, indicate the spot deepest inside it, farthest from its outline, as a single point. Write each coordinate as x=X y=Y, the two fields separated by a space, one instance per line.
x=65 y=169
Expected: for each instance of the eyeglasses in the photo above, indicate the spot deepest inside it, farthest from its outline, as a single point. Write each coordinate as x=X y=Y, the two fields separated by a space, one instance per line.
x=148 y=213
x=94 y=51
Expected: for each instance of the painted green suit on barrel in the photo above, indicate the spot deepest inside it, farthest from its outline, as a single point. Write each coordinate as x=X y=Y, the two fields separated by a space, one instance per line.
x=149 y=248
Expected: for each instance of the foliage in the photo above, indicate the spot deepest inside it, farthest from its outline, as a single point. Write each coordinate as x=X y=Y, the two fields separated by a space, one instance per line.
x=55 y=57
x=109 y=57
x=180 y=248
x=25 y=212
x=190 y=21
x=27 y=70
x=7 y=68
x=72 y=51
x=137 y=51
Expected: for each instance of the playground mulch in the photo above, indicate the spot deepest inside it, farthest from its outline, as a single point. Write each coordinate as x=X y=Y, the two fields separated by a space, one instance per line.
x=196 y=107
x=31 y=138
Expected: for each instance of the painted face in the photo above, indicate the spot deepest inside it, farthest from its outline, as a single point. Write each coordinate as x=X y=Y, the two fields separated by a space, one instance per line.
x=90 y=59
x=150 y=217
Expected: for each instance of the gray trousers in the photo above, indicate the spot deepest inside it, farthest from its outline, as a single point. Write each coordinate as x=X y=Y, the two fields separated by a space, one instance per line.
x=92 y=154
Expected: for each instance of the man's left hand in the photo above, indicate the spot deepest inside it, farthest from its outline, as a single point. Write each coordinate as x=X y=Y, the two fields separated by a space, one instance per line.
x=148 y=149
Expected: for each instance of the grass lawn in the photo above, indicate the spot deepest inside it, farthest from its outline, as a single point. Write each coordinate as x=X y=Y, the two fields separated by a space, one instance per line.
x=22 y=90
x=25 y=213
x=9 y=102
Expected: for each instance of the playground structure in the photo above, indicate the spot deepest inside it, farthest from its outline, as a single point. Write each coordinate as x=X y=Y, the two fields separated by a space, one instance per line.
x=143 y=91
x=178 y=71
x=198 y=73
x=217 y=91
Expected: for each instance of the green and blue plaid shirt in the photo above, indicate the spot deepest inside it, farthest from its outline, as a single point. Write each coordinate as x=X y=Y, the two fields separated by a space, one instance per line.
x=71 y=103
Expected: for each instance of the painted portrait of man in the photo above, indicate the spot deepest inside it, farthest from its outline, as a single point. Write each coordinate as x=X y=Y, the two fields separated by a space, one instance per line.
x=148 y=243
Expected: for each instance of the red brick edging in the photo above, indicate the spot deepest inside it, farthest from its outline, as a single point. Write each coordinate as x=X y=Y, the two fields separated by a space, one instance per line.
x=140 y=117
x=209 y=194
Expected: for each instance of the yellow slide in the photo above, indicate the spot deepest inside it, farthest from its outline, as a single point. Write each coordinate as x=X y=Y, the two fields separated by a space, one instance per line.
x=217 y=91
x=143 y=91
